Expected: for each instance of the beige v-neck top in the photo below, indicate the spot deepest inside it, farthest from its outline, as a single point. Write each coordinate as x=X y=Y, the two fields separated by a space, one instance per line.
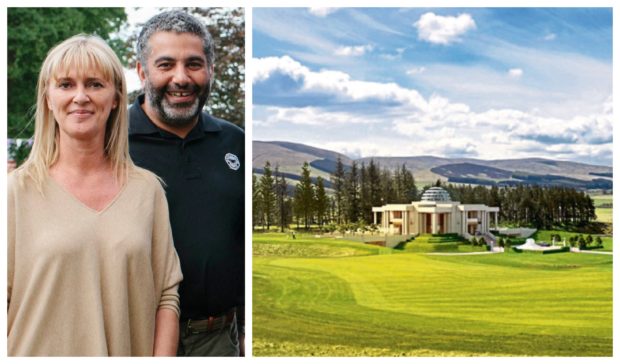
x=83 y=282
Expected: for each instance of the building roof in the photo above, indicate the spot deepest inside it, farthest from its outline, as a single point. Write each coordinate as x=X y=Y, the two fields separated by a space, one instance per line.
x=436 y=194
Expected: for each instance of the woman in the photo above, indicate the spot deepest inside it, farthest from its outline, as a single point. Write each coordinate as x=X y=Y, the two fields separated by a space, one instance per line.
x=92 y=270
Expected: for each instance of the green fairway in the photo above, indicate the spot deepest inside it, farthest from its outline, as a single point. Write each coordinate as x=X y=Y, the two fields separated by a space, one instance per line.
x=325 y=297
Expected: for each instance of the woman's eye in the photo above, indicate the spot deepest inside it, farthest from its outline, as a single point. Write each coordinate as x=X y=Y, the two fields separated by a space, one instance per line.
x=64 y=85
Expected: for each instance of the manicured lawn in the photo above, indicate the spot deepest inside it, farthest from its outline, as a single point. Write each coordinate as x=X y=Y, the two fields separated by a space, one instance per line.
x=326 y=297
x=424 y=244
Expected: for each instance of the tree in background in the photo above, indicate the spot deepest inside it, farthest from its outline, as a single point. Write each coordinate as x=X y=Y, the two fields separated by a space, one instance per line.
x=267 y=196
x=321 y=202
x=338 y=179
x=256 y=210
x=304 y=196
x=352 y=189
x=31 y=33
x=283 y=203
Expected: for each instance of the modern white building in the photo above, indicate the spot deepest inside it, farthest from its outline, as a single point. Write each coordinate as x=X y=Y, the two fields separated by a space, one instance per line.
x=436 y=214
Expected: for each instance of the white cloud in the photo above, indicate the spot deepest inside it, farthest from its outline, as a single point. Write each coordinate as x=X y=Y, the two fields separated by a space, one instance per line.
x=335 y=82
x=550 y=37
x=413 y=125
x=313 y=116
x=415 y=70
x=395 y=56
x=515 y=73
x=321 y=12
x=265 y=67
x=443 y=29
x=353 y=51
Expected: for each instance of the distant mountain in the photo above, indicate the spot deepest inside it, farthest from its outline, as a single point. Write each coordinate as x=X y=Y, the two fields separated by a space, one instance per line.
x=291 y=156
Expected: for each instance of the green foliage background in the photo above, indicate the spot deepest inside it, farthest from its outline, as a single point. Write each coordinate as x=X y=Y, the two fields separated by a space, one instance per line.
x=31 y=33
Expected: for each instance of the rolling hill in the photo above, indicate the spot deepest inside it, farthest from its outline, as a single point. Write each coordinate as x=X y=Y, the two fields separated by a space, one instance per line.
x=427 y=169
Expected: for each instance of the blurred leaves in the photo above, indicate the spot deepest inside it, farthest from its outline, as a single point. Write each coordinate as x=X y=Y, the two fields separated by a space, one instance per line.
x=32 y=32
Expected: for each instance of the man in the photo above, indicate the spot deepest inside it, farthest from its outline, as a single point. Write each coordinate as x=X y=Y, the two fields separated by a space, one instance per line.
x=200 y=159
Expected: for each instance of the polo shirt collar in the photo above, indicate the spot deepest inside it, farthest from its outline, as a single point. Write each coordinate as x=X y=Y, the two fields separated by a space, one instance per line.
x=139 y=122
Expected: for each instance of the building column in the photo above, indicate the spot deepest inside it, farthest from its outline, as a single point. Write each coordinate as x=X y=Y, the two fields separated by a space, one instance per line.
x=434 y=223
x=496 y=213
x=374 y=217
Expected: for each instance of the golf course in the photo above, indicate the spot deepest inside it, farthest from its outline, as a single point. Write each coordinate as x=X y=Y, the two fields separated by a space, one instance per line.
x=326 y=296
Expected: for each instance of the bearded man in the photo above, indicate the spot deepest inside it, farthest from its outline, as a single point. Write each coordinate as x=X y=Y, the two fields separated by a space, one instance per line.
x=200 y=160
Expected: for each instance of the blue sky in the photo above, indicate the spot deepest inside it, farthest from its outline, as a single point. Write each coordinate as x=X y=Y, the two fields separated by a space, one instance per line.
x=489 y=83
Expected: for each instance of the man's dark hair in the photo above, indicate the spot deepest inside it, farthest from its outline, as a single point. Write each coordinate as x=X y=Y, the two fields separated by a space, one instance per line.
x=174 y=21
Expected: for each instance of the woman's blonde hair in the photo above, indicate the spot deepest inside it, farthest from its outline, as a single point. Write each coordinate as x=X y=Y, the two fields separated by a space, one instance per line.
x=82 y=53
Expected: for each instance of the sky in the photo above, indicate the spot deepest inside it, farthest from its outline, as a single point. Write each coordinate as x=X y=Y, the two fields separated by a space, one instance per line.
x=135 y=17
x=487 y=83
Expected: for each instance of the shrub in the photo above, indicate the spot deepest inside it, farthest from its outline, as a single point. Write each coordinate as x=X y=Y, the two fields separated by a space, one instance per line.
x=582 y=242
x=599 y=241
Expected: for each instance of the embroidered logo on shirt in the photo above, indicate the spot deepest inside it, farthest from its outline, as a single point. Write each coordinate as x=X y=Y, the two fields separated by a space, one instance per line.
x=232 y=161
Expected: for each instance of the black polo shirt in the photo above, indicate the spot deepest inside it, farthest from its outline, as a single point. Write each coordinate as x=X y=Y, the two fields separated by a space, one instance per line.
x=204 y=176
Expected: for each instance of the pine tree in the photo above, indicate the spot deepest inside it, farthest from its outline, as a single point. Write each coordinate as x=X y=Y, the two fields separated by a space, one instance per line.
x=352 y=194
x=338 y=180
x=267 y=195
x=256 y=210
x=321 y=202
x=282 y=206
x=304 y=196
x=410 y=191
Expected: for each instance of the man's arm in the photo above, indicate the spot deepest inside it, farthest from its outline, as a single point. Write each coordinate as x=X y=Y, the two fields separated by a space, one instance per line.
x=166 y=333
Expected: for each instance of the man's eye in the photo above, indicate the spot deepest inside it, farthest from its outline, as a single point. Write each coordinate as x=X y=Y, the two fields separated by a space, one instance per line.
x=164 y=65
x=195 y=65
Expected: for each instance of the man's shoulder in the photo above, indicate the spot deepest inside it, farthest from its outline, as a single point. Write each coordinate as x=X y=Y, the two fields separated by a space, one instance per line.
x=224 y=125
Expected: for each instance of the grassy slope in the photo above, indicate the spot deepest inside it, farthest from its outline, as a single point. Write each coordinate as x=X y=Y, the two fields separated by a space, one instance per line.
x=423 y=244
x=362 y=302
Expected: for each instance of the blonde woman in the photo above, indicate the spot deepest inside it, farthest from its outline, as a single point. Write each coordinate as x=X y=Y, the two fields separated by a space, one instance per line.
x=92 y=269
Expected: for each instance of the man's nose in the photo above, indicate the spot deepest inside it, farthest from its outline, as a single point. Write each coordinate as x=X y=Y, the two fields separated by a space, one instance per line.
x=180 y=76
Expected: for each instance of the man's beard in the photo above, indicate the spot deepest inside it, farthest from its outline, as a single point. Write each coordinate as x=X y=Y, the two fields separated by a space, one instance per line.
x=179 y=114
